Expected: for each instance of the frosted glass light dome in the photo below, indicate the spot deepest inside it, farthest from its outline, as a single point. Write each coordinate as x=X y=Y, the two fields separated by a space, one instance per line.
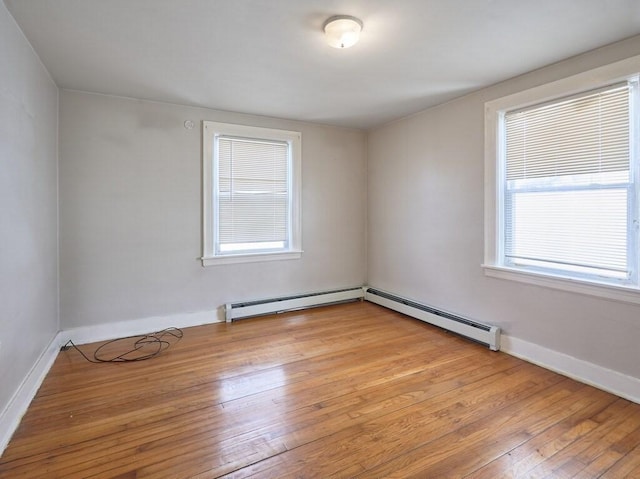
x=342 y=31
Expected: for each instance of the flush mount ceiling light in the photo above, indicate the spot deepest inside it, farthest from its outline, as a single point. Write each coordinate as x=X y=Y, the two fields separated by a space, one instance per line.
x=342 y=31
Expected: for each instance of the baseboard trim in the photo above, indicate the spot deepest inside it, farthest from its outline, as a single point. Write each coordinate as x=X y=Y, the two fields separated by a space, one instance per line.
x=627 y=387
x=19 y=403
x=121 y=329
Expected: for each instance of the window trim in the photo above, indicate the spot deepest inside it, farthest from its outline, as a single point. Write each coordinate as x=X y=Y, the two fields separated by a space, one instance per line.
x=494 y=195
x=210 y=130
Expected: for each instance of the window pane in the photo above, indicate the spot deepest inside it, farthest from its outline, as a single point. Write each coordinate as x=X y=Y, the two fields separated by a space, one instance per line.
x=561 y=229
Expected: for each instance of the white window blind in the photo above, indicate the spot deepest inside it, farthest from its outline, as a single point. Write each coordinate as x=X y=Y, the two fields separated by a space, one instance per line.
x=253 y=197
x=568 y=183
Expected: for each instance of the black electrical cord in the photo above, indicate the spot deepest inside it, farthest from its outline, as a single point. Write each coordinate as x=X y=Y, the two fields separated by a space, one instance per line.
x=154 y=341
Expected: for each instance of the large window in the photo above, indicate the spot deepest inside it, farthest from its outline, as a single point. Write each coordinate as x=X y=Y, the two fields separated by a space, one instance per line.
x=563 y=185
x=567 y=186
x=251 y=193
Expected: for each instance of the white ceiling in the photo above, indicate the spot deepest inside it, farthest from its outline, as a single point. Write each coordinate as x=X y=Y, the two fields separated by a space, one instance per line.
x=268 y=57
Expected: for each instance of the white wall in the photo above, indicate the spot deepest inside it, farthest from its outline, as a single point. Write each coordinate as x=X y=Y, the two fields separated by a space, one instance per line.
x=130 y=213
x=28 y=208
x=426 y=175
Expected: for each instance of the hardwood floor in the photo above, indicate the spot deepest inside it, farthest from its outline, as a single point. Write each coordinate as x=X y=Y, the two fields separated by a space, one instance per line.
x=353 y=391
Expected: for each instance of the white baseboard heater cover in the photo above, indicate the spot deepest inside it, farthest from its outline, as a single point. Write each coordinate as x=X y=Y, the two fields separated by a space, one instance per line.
x=288 y=303
x=482 y=333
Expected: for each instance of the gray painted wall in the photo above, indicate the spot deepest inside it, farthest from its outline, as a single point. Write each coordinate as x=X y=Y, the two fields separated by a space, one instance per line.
x=28 y=208
x=130 y=213
x=426 y=229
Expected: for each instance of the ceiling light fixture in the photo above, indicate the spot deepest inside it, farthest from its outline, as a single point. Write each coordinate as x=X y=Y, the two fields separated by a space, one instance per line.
x=342 y=31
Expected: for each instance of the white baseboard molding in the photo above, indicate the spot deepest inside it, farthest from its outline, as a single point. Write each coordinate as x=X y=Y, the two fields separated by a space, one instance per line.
x=12 y=415
x=121 y=329
x=627 y=387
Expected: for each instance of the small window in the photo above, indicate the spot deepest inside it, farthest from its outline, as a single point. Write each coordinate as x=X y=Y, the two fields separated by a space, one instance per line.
x=563 y=188
x=251 y=193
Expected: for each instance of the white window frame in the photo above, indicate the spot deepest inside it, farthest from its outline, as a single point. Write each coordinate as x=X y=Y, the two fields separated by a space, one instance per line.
x=494 y=263
x=210 y=131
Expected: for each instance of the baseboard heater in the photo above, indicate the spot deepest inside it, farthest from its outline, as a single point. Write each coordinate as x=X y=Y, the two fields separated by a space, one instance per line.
x=482 y=333
x=288 y=303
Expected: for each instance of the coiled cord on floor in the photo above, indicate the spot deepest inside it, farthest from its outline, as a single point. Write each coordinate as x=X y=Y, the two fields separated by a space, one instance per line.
x=138 y=347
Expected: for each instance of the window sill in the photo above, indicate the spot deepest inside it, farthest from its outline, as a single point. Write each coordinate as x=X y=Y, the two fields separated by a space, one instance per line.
x=250 y=258
x=627 y=294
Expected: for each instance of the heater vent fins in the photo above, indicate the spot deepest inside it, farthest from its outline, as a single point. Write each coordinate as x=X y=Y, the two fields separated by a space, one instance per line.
x=429 y=309
x=481 y=333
